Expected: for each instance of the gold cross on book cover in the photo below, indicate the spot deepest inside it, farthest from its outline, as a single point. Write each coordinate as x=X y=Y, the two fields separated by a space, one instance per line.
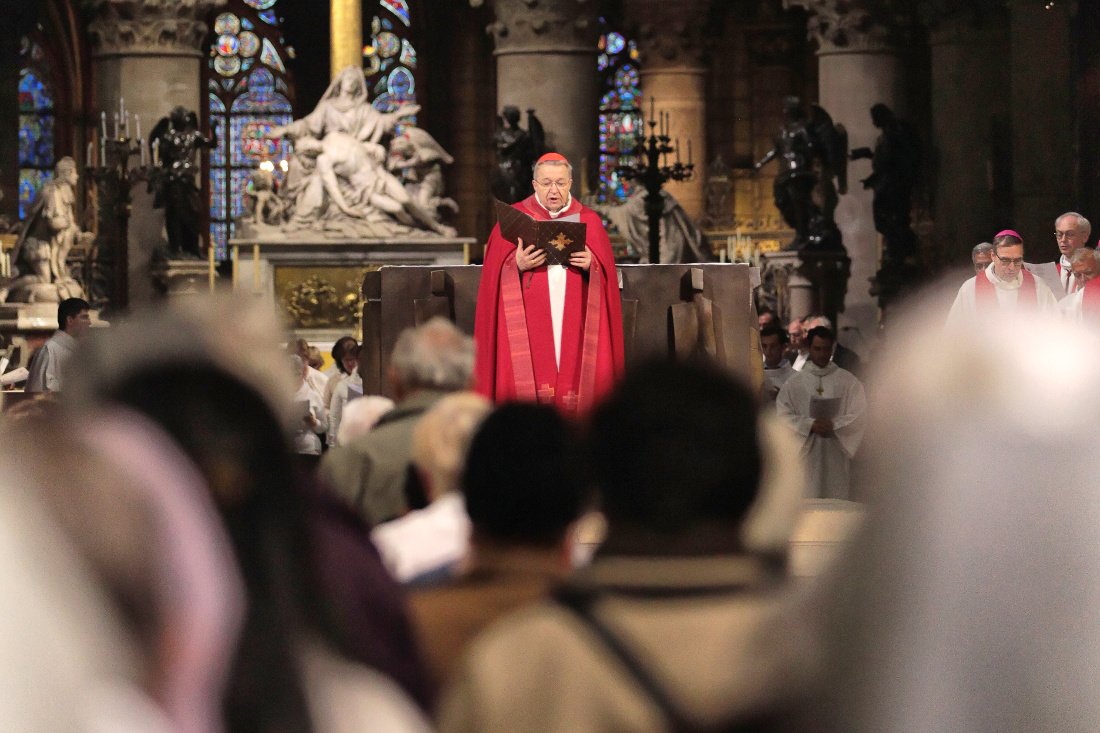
x=558 y=239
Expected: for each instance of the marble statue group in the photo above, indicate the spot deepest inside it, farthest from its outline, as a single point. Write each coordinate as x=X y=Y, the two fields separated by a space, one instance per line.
x=355 y=172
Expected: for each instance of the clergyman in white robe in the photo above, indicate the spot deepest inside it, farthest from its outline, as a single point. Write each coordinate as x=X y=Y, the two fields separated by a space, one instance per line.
x=965 y=308
x=827 y=458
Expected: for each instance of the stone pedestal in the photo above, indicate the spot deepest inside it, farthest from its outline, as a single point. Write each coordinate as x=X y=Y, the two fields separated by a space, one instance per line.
x=546 y=61
x=150 y=53
x=671 y=43
x=174 y=278
x=810 y=282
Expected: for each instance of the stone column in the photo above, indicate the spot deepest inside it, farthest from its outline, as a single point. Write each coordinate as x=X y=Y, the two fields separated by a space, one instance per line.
x=970 y=124
x=150 y=52
x=858 y=66
x=546 y=61
x=670 y=39
x=1043 y=102
x=346 y=35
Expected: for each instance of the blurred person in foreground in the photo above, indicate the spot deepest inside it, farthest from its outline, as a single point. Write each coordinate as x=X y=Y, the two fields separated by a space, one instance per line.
x=1083 y=304
x=370 y=473
x=681 y=620
x=969 y=603
x=825 y=406
x=523 y=504
x=314 y=654
x=361 y=415
x=126 y=616
x=1004 y=285
x=429 y=545
x=47 y=366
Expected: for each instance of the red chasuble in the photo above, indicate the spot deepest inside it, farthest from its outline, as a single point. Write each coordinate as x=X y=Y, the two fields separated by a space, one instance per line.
x=985 y=296
x=1090 y=307
x=514 y=334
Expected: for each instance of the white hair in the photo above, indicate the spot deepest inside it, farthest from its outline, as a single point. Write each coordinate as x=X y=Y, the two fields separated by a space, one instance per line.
x=360 y=415
x=435 y=355
x=1083 y=224
x=442 y=437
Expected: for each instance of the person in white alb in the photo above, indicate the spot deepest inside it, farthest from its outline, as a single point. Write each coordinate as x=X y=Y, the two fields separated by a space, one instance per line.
x=1084 y=304
x=1071 y=232
x=1005 y=285
x=829 y=441
x=48 y=363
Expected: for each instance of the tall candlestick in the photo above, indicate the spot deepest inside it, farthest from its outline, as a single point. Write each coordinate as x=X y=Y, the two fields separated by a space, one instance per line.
x=137 y=124
x=156 y=153
x=122 y=108
x=88 y=154
x=126 y=125
x=116 y=126
x=103 y=124
x=144 y=151
x=103 y=145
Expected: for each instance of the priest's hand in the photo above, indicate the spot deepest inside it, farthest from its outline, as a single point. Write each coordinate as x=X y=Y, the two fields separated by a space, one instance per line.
x=822 y=427
x=581 y=260
x=530 y=257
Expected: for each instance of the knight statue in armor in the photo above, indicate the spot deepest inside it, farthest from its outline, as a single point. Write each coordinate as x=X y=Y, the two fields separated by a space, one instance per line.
x=173 y=143
x=812 y=155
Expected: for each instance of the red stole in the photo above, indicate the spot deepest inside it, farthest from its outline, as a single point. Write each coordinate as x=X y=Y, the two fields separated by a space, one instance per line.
x=985 y=295
x=1071 y=284
x=1090 y=305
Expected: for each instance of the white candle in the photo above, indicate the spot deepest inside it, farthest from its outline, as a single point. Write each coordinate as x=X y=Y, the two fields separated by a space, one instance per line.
x=137 y=123
x=122 y=108
x=156 y=152
x=126 y=125
x=116 y=126
x=144 y=152
x=88 y=154
x=103 y=124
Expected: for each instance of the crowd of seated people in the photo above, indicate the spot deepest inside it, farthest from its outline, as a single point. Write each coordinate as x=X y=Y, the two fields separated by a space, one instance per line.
x=171 y=563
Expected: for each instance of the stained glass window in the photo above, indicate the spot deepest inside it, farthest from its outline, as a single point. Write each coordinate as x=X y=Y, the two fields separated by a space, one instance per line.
x=248 y=94
x=620 y=115
x=390 y=59
x=37 y=115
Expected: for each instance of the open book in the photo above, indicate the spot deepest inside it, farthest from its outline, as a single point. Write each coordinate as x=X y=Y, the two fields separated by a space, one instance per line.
x=558 y=238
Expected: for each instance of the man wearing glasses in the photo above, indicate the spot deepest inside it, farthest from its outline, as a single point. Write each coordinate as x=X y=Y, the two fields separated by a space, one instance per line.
x=1071 y=232
x=551 y=334
x=1002 y=286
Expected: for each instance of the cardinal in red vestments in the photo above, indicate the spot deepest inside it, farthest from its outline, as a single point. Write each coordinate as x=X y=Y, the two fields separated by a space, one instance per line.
x=548 y=333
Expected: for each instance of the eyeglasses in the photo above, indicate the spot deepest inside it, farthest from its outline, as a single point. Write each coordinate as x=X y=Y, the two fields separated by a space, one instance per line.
x=1065 y=234
x=560 y=185
x=1010 y=261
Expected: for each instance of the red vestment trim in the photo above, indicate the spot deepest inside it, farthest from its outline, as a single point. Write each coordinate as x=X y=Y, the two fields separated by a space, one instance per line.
x=1091 y=303
x=985 y=296
x=515 y=320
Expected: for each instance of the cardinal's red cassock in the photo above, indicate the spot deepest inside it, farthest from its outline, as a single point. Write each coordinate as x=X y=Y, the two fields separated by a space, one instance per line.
x=520 y=353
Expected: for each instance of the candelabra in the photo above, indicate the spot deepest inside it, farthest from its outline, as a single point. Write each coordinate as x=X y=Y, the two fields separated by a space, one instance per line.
x=654 y=170
x=107 y=281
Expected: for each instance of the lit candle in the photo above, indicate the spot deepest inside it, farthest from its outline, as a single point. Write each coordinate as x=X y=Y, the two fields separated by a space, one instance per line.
x=103 y=145
x=144 y=151
x=116 y=125
x=126 y=125
x=122 y=108
x=137 y=124
x=103 y=124
x=156 y=153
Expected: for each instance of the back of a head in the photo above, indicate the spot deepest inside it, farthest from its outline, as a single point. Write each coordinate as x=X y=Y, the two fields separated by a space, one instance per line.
x=674 y=446
x=442 y=438
x=435 y=355
x=522 y=482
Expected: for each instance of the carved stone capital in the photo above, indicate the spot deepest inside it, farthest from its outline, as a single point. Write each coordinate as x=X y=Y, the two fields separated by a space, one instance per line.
x=561 y=26
x=854 y=26
x=149 y=27
x=670 y=34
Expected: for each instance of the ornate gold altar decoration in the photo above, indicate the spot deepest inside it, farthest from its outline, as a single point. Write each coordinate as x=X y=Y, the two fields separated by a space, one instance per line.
x=321 y=298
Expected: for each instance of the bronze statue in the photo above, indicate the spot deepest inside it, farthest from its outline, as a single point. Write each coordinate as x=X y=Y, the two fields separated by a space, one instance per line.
x=517 y=150
x=173 y=143
x=811 y=153
x=895 y=165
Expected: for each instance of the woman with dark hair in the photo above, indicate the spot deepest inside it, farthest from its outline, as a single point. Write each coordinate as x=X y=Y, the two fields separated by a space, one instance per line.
x=348 y=384
x=292 y=668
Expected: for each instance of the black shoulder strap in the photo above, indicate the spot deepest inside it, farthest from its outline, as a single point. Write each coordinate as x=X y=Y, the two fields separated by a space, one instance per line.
x=581 y=603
